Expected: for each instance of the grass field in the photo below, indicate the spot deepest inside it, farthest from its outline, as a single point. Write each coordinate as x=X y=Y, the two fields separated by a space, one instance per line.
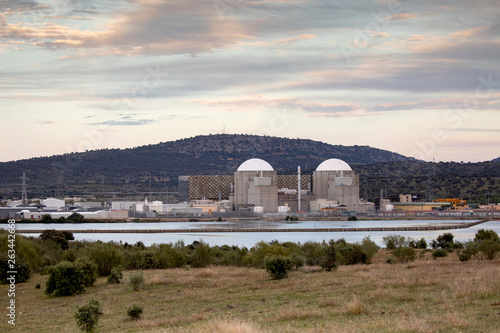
x=427 y=295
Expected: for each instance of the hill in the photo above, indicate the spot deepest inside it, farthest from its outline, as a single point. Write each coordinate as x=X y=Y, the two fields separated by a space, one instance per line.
x=496 y=159
x=157 y=166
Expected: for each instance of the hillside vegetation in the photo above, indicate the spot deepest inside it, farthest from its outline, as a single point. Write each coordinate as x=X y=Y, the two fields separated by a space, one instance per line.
x=155 y=168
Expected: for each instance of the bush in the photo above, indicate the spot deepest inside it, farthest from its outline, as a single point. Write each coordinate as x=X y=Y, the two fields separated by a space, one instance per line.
x=313 y=252
x=489 y=249
x=297 y=260
x=370 y=248
x=21 y=266
x=65 y=279
x=349 y=254
x=393 y=241
x=136 y=280
x=439 y=253
x=404 y=254
x=278 y=266
x=134 y=312
x=390 y=260
x=329 y=260
x=469 y=249
x=105 y=255
x=38 y=286
x=70 y=278
x=88 y=271
x=87 y=316
x=485 y=235
x=352 y=218
x=421 y=244
x=75 y=218
x=116 y=275
x=200 y=256
x=445 y=241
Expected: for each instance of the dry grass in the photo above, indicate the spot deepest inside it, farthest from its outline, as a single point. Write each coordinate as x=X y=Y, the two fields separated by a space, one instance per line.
x=227 y=326
x=442 y=295
x=356 y=306
x=294 y=313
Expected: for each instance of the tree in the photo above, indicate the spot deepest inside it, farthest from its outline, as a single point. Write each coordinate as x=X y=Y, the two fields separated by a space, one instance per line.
x=75 y=218
x=328 y=262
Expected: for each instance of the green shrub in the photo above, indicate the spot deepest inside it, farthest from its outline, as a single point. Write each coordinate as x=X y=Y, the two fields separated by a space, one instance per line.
x=488 y=249
x=261 y=250
x=404 y=254
x=38 y=286
x=393 y=241
x=134 y=312
x=352 y=218
x=105 y=255
x=87 y=316
x=75 y=218
x=60 y=237
x=314 y=253
x=421 y=244
x=445 y=241
x=370 y=248
x=46 y=219
x=278 y=266
x=88 y=271
x=329 y=260
x=439 y=253
x=116 y=275
x=349 y=254
x=298 y=260
x=149 y=260
x=469 y=249
x=200 y=256
x=485 y=235
x=65 y=279
x=21 y=266
x=136 y=280
x=69 y=278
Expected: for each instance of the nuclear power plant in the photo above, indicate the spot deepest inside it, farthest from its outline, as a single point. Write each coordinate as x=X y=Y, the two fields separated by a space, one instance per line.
x=256 y=186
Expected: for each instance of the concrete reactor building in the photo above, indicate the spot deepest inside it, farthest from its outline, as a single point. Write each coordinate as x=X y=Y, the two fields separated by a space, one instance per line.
x=334 y=180
x=255 y=185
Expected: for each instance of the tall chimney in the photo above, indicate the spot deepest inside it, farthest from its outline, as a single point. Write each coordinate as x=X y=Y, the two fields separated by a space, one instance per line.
x=298 y=189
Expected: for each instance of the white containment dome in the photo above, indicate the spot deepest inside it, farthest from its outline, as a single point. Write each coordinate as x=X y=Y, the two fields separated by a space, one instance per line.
x=255 y=164
x=333 y=164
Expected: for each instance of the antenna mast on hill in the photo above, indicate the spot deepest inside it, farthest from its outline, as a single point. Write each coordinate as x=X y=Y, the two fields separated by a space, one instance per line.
x=24 y=196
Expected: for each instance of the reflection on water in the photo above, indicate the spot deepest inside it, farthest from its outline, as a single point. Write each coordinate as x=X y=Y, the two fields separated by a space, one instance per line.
x=249 y=239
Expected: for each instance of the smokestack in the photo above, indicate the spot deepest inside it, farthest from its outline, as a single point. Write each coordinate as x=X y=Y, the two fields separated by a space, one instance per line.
x=298 y=189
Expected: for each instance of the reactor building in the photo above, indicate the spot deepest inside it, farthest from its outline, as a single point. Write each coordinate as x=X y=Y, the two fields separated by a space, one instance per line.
x=256 y=186
x=335 y=181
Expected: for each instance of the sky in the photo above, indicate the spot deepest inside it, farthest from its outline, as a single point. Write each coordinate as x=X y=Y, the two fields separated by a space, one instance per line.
x=420 y=78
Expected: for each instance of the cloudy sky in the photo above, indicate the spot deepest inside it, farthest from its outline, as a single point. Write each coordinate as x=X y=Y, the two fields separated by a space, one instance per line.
x=421 y=78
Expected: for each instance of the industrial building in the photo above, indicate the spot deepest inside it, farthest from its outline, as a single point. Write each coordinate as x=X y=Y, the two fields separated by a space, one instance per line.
x=255 y=186
x=335 y=182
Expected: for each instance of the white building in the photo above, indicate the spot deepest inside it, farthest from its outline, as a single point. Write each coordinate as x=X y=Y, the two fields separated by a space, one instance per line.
x=53 y=203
